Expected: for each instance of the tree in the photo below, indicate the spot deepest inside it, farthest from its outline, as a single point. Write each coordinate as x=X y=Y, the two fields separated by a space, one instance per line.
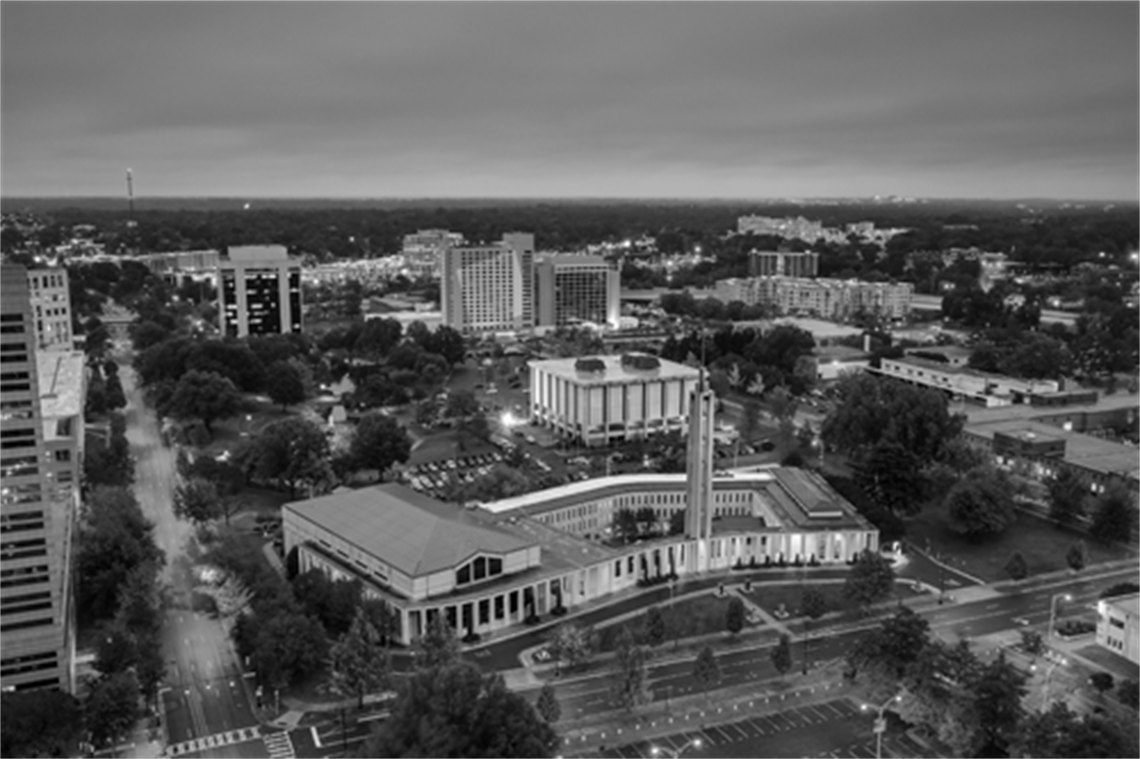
x=197 y=500
x=115 y=539
x=1032 y=642
x=813 y=606
x=378 y=442
x=625 y=524
x=115 y=650
x=630 y=687
x=547 y=704
x=1016 y=567
x=782 y=654
x=706 y=670
x=284 y=383
x=981 y=504
x=997 y=693
x=288 y=646
x=871 y=579
x=461 y=403
x=293 y=451
x=570 y=644
x=890 y=475
x=112 y=707
x=40 y=723
x=1102 y=682
x=886 y=654
x=455 y=711
x=734 y=615
x=379 y=337
x=1120 y=589
x=654 y=627
x=1113 y=514
x=1129 y=693
x=113 y=392
x=358 y=665
x=750 y=419
x=204 y=395
x=1067 y=495
x=437 y=647
x=1059 y=732
x=1078 y=555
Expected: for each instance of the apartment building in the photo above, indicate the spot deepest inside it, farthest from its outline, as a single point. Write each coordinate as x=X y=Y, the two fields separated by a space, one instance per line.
x=41 y=433
x=423 y=251
x=51 y=308
x=766 y=263
x=571 y=289
x=487 y=289
x=259 y=291
x=834 y=299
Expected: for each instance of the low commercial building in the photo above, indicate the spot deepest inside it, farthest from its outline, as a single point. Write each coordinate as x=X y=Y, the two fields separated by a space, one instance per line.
x=833 y=361
x=491 y=568
x=1117 y=628
x=990 y=390
x=825 y=298
x=601 y=400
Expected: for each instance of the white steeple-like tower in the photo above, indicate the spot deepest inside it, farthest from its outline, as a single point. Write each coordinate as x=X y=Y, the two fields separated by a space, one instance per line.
x=699 y=470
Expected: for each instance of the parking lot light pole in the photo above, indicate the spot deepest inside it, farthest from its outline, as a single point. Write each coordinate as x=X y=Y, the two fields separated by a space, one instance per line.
x=880 y=723
x=658 y=751
x=1053 y=610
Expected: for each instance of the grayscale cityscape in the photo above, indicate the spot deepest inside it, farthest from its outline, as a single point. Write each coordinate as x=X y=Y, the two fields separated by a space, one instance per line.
x=597 y=379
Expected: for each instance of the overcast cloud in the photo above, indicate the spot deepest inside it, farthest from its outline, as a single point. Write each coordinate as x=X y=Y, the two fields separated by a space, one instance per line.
x=587 y=99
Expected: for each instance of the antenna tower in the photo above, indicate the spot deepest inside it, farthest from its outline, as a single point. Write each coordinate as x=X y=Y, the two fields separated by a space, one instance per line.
x=130 y=198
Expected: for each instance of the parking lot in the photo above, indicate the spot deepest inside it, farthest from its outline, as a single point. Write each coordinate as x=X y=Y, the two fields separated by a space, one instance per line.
x=835 y=728
x=432 y=478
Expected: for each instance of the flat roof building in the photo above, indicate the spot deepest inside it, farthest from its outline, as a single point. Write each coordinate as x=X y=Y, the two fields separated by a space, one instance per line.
x=599 y=400
x=259 y=291
x=1118 y=628
x=42 y=427
x=489 y=289
x=571 y=289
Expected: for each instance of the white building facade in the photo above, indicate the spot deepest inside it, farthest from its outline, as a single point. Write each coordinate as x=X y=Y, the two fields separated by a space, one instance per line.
x=489 y=289
x=606 y=399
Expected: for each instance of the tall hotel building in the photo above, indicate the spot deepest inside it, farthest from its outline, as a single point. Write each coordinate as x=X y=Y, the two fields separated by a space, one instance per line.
x=41 y=433
x=571 y=289
x=259 y=291
x=489 y=288
x=51 y=307
x=780 y=264
x=423 y=251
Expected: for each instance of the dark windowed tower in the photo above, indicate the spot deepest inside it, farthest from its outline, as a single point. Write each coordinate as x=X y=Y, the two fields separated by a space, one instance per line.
x=260 y=291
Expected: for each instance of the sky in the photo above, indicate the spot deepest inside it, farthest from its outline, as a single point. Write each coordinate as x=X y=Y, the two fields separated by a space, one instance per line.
x=644 y=99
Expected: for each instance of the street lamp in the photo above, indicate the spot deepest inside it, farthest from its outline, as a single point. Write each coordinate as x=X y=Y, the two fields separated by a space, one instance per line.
x=880 y=723
x=1048 y=679
x=1053 y=609
x=658 y=751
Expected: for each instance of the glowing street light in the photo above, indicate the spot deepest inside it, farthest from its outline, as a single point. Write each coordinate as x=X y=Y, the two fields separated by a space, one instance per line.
x=658 y=751
x=1053 y=610
x=880 y=723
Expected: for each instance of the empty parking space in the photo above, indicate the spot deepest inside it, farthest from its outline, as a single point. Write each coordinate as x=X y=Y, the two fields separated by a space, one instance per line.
x=836 y=729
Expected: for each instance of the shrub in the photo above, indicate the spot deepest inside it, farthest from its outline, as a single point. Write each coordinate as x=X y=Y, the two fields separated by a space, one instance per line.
x=532 y=619
x=1075 y=627
x=558 y=611
x=472 y=637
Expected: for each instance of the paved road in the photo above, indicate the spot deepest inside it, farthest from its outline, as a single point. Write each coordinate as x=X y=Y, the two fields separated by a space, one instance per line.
x=835 y=728
x=203 y=695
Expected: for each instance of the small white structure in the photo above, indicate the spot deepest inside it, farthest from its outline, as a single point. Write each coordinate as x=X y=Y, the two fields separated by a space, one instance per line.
x=1116 y=627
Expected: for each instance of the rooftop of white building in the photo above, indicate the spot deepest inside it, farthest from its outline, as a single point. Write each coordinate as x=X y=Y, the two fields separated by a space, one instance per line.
x=257 y=253
x=614 y=370
x=61 y=376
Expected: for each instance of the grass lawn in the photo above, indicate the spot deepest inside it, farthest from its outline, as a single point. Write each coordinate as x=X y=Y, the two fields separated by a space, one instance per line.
x=769 y=598
x=1041 y=543
x=693 y=616
x=444 y=445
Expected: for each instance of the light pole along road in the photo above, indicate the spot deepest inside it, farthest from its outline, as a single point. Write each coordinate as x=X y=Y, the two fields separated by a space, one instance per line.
x=881 y=723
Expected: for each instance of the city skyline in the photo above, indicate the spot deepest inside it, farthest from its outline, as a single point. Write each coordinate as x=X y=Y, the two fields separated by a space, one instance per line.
x=744 y=100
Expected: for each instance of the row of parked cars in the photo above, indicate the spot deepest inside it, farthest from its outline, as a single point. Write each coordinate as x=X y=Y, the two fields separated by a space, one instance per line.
x=433 y=476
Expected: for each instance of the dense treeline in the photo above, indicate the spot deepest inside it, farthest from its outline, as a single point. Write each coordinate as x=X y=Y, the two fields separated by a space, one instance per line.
x=1049 y=234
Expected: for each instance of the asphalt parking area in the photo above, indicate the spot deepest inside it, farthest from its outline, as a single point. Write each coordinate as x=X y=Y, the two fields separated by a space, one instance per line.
x=835 y=729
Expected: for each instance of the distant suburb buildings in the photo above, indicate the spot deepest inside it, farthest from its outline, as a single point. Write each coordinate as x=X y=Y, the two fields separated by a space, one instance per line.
x=259 y=291
x=600 y=400
x=763 y=263
x=835 y=299
x=489 y=289
x=500 y=565
x=423 y=251
x=41 y=423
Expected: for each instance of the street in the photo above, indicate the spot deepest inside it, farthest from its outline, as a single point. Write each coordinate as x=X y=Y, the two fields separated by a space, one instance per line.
x=204 y=693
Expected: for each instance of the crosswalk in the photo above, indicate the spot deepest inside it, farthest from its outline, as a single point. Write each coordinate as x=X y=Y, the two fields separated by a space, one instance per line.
x=227 y=738
x=279 y=745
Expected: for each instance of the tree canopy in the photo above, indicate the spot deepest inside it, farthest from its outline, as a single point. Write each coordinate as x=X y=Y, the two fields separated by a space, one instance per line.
x=292 y=451
x=981 y=503
x=378 y=441
x=204 y=395
x=871 y=579
x=456 y=711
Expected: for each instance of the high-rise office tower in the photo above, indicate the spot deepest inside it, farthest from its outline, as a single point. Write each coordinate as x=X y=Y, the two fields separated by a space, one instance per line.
x=41 y=433
x=699 y=511
x=51 y=308
x=489 y=288
x=571 y=289
x=259 y=291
